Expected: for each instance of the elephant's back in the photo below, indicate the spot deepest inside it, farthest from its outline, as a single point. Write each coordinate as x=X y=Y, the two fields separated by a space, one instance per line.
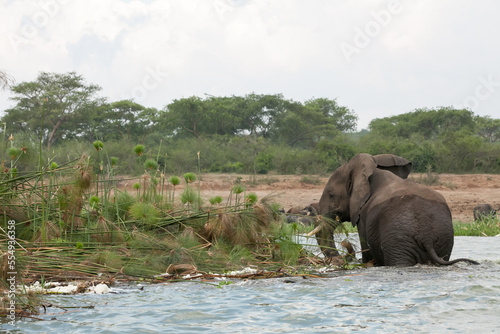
x=404 y=224
x=386 y=185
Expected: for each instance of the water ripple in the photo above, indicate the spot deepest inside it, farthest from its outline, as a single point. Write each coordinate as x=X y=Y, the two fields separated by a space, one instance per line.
x=459 y=299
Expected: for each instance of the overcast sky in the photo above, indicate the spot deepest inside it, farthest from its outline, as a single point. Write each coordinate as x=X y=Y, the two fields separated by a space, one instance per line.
x=378 y=58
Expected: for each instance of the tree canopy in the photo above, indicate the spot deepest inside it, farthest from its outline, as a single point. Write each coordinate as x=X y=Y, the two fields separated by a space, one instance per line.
x=65 y=104
x=268 y=116
x=254 y=133
x=444 y=139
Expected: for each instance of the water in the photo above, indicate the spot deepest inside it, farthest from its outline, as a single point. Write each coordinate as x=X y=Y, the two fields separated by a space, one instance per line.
x=423 y=299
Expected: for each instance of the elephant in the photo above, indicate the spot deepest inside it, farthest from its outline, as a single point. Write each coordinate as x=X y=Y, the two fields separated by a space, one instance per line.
x=483 y=210
x=304 y=220
x=298 y=215
x=296 y=211
x=400 y=223
x=312 y=209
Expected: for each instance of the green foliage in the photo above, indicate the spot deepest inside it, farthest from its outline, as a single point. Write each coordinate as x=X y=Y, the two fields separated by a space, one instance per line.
x=191 y=197
x=109 y=259
x=13 y=152
x=215 y=200
x=175 y=180
x=139 y=149
x=304 y=125
x=94 y=201
x=237 y=134
x=144 y=212
x=447 y=139
x=335 y=151
x=125 y=120
x=189 y=177
x=68 y=106
x=489 y=226
x=150 y=164
x=430 y=123
x=123 y=202
x=244 y=134
x=488 y=128
x=288 y=160
x=285 y=250
x=263 y=163
x=229 y=167
x=98 y=145
x=238 y=189
x=251 y=199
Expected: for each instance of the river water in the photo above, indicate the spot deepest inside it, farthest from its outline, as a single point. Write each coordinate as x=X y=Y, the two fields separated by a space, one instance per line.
x=461 y=298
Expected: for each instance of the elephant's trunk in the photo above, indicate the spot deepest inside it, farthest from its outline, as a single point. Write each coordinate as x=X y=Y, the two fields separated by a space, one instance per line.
x=324 y=236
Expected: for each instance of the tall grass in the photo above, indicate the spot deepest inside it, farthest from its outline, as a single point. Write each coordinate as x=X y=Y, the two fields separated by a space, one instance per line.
x=488 y=226
x=83 y=219
x=79 y=219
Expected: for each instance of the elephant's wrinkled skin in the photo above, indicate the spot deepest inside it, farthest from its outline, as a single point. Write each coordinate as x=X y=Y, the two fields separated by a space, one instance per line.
x=400 y=223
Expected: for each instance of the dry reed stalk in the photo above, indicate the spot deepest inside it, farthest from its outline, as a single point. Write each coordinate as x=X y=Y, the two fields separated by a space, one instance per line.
x=220 y=226
x=4 y=266
x=107 y=231
x=52 y=231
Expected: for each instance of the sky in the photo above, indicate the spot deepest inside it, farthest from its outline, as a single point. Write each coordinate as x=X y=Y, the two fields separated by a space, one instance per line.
x=377 y=58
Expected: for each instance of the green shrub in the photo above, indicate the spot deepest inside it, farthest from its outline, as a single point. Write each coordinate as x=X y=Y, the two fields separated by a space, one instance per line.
x=191 y=197
x=145 y=213
x=98 y=145
x=13 y=152
x=139 y=149
x=150 y=164
x=189 y=177
x=264 y=163
x=123 y=202
x=215 y=200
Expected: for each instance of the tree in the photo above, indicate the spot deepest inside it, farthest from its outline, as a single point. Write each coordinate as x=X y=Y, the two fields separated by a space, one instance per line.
x=5 y=80
x=458 y=151
x=64 y=103
x=252 y=114
x=260 y=113
x=184 y=117
x=430 y=123
x=124 y=119
x=305 y=125
x=488 y=128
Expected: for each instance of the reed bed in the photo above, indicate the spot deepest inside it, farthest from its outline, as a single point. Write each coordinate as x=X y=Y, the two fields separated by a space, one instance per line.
x=76 y=221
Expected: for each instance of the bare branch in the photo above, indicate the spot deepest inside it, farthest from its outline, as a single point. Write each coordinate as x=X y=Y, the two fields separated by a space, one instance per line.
x=5 y=80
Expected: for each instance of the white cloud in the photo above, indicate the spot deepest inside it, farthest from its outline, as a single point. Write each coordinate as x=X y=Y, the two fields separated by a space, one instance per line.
x=425 y=54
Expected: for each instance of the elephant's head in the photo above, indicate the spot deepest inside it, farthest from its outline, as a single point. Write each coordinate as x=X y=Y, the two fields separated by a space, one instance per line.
x=349 y=186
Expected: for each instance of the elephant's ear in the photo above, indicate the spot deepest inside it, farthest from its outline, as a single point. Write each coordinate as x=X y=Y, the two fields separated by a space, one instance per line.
x=359 y=190
x=397 y=165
